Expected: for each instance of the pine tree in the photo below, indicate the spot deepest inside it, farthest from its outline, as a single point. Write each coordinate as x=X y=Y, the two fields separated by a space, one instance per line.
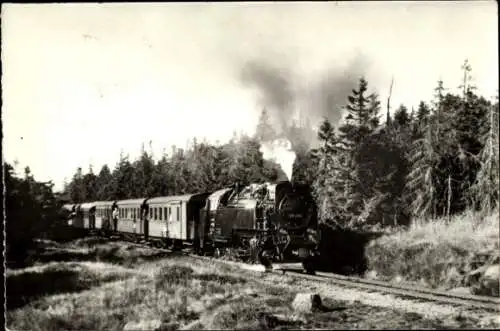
x=358 y=158
x=421 y=180
x=32 y=211
x=89 y=183
x=327 y=186
x=162 y=182
x=77 y=190
x=402 y=117
x=142 y=174
x=104 y=183
x=485 y=190
x=122 y=185
x=423 y=113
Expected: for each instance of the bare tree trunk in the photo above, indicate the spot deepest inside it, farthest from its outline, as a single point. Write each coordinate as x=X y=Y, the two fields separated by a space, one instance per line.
x=449 y=199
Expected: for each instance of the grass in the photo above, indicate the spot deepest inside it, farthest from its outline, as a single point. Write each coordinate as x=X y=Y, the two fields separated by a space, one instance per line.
x=99 y=288
x=436 y=253
x=24 y=286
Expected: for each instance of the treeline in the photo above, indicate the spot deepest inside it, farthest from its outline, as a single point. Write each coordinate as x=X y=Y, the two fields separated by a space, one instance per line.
x=32 y=210
x=202 y=167
x=434 y=161
x=374 y=169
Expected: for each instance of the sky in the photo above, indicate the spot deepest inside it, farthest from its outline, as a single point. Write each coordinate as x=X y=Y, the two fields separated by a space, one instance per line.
x=83 y=82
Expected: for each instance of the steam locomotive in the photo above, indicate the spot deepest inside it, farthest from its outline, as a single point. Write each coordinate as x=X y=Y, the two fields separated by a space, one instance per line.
x=278 y=219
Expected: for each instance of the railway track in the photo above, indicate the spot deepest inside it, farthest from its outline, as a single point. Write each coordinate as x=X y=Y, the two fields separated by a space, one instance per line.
x=469 y=300
x=464 y=300
x=457 y=299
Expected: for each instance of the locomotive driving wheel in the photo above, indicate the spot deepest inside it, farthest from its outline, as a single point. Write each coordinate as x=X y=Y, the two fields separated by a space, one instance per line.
x=217 y=252
x=308 y=265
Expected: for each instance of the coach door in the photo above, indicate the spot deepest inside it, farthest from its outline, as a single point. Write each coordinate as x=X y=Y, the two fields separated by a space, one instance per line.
x=147 y=213
x=174 y=220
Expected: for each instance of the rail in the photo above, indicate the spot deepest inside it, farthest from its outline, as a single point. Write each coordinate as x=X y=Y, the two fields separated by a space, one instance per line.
x=469 y=300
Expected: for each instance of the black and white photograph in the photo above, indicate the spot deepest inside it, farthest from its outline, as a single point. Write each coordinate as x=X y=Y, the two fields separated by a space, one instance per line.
x=251 y=165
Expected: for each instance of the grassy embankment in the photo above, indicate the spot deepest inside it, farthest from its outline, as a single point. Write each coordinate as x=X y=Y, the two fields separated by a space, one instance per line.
x=93 y=285
x=437 y=253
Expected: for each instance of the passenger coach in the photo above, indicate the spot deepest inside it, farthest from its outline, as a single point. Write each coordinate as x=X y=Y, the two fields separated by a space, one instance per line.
x=129 y=217
x=176 y=218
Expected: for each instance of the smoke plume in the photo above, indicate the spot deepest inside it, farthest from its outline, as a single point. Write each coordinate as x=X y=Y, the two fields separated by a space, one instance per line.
x=274 y=87
x=296 y=105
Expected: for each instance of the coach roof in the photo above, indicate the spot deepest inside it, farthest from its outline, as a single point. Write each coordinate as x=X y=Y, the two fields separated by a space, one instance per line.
x=87 y=205
x=175 y=198
x=136 y=202
x=104 y=203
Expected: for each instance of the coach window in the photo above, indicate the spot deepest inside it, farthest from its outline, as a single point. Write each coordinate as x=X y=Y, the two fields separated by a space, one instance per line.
x=160 y=216
x=165 y=216
x=178 y=212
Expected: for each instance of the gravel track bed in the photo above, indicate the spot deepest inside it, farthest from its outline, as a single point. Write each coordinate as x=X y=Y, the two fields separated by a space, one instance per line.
x=427 y=309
